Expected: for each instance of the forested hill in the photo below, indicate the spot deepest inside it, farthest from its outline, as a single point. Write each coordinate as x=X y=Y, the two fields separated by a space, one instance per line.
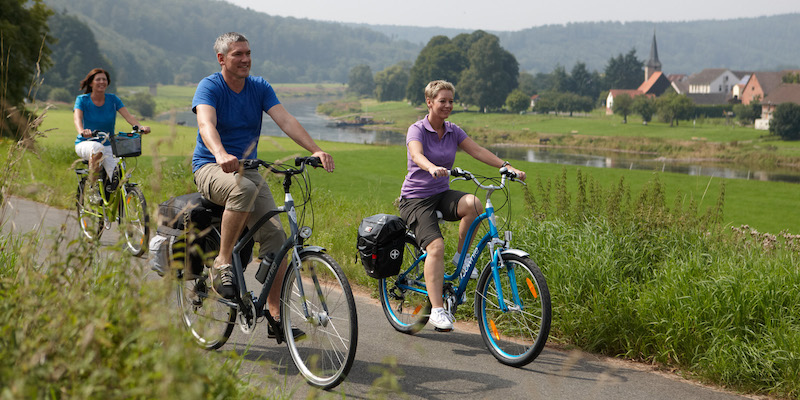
x=153 y=41
x=170 y=41
x=762 y=43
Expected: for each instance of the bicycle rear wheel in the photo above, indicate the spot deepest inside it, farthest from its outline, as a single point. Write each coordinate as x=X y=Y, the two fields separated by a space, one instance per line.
x=326 y=352
x=515 y=336
x=202 y=311
x=90 y=217
x=134 y=220
x=406 y=309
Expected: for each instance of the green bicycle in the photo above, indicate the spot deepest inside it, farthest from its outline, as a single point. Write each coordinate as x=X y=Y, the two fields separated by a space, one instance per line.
x=114 y=198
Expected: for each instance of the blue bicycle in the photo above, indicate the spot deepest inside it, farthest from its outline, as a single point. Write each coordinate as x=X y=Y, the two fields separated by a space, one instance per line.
x=512 y=301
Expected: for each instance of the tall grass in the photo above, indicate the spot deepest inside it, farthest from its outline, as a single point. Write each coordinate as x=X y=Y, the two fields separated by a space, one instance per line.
x=641 y=280
x=82 y=322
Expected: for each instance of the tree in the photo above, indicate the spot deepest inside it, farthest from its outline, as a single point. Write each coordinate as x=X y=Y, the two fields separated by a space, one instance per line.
x=561 y=81
x=360 y=81
x=585 y=83
x=623 y=105
x=391 y=83
x=644 y=106
x=439 y=59
x=747 y=114
x=517 y=101
x=74 y=54
x=624 y=72
x=786 y=121
x=527 y=84
x=143 y=103
x=24 y=54
x=492 y=73
x=672 y=107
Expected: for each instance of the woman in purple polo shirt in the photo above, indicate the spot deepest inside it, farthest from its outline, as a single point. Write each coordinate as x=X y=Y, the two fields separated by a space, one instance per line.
x=432 y=143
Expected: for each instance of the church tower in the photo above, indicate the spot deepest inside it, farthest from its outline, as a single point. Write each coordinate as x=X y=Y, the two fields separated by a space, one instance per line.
x=653 y=64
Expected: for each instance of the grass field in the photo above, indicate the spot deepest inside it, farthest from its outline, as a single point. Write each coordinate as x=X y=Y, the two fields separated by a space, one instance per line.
x=636 y=266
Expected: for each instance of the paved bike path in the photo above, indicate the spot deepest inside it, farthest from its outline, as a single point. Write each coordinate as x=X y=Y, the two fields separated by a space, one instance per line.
x=428 y=365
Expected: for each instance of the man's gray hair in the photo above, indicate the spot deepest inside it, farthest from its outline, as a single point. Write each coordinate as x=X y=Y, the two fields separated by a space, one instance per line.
x=223 y=43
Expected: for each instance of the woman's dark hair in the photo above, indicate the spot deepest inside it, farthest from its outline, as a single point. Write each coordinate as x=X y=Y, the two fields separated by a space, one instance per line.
x=86 y=83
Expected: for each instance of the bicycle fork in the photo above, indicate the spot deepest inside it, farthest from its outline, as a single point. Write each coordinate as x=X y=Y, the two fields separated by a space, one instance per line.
x=497 y=246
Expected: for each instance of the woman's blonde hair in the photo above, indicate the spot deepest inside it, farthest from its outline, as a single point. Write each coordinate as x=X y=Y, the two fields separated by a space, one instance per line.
x=434 y=87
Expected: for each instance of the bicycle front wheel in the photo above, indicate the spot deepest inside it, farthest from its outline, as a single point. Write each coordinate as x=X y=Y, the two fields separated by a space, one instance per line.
x=90 y=217
x=515 y=331
x=319 y=303
x=202 y=311
x=134 y=221
x=404 y=299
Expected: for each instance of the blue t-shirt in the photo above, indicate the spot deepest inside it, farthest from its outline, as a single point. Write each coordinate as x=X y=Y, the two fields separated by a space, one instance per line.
x=98 y=118
x=442 y=152
x=238 y=115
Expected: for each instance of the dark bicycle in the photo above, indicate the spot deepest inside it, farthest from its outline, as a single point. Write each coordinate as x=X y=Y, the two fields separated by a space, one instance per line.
x=315 y=293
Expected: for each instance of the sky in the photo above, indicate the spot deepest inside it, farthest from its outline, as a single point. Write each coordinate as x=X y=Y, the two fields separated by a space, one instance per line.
x=514 y=15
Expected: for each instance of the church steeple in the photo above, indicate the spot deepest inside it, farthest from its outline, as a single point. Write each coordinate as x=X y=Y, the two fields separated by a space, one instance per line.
x=653 y=64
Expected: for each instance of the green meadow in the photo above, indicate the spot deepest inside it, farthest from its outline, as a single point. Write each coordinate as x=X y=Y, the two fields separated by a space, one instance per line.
x=648 y=266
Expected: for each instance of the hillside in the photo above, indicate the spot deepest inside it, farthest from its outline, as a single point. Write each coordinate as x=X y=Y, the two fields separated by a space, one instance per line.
x=169 y=41
x=763 y=43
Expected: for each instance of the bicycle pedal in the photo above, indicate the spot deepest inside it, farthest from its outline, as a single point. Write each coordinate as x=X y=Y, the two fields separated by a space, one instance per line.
x=442 y=330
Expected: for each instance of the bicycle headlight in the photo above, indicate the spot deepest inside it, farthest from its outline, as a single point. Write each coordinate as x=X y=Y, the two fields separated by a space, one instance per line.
x=305 y=232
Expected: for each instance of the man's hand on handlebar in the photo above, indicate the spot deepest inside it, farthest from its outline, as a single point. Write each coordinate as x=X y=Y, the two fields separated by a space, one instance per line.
x=228 y=162
x=327 y=160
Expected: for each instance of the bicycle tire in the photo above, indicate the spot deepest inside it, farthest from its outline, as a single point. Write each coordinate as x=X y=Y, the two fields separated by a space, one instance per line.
x=327 y=351
x=205 y=316
x=517 y=336
x=134 y=221
x=407 y=310
x=90 y=218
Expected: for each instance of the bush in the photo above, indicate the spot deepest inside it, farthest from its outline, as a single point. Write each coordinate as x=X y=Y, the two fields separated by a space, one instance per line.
x=143 y=103
x=786 y=121
x=60 y=94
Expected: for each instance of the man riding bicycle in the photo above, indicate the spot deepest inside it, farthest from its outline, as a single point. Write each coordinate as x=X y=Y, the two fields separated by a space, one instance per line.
x=229 y=106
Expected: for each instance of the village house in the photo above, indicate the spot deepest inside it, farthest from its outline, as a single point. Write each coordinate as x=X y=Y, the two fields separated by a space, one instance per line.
x=784 y=93
x=760 y=85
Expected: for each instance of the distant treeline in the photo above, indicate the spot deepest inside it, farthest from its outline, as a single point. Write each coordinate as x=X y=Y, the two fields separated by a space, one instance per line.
x=170 y=42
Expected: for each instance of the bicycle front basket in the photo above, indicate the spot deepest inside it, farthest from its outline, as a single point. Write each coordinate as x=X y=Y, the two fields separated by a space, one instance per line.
x=126 y=144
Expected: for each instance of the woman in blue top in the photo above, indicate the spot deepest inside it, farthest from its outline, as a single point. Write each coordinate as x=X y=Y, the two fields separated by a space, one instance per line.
x=432 y=143
x=97 y=110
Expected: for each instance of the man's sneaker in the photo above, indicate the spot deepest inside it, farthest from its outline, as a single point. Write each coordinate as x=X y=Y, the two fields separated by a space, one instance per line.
x=441 y=320
x=222 y=277
x=296 y=332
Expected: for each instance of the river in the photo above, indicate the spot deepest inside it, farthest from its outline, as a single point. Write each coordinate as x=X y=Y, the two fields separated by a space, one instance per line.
x=304 y=109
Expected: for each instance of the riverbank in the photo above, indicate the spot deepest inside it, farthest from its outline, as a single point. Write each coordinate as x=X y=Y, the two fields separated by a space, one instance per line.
x=702 y=140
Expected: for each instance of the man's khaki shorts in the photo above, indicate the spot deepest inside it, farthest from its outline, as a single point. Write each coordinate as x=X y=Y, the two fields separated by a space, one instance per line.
x=245 y=191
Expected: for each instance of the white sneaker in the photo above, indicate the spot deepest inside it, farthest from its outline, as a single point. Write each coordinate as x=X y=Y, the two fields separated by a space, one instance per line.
x=441 y=320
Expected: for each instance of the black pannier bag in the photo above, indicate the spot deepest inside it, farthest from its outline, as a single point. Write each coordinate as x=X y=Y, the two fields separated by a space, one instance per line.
x=380 y=244
x=184 y=227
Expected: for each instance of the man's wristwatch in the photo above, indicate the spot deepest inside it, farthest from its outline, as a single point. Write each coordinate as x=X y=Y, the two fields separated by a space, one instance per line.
x=505 y=163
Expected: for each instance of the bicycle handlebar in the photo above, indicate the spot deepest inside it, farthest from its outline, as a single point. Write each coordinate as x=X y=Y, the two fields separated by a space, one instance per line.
x=505 y=173
x=298 y=161
x=105 y=135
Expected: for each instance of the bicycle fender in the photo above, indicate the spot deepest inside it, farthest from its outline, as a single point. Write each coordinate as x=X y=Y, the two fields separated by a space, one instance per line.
x=313 y=249
x=516 y=252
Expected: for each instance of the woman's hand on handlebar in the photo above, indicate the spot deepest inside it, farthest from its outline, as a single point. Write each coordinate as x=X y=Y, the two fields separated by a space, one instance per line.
x=438 y=172
x=87 y=133
x=142 y=129
x=520 y=174
x=327 y=160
